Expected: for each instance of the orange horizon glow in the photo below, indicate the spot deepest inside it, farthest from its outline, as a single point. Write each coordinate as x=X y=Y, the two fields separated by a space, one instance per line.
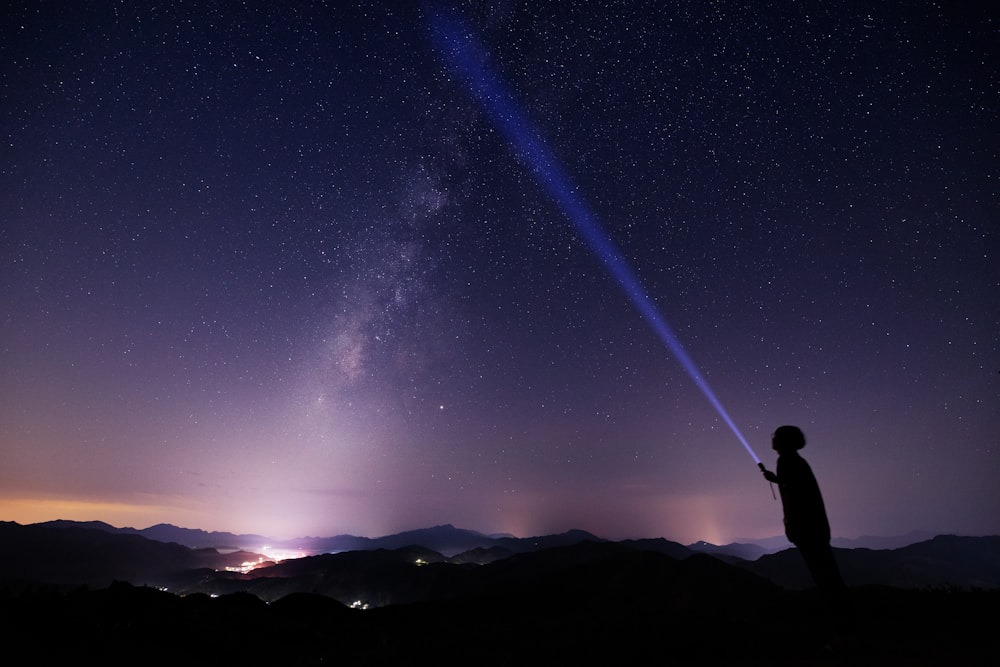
x=28 y=510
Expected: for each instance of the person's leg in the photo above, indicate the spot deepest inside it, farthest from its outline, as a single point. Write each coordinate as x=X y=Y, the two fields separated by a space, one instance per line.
x=823 y=567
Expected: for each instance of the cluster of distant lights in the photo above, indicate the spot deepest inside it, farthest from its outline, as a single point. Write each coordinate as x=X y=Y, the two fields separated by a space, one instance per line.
x=269 y=557
x=276 y=556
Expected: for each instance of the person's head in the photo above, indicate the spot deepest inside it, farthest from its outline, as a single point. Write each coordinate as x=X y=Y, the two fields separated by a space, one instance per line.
x=788 y=439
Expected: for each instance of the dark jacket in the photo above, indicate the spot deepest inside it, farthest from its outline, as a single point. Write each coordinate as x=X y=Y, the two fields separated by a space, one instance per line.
x=805 y=514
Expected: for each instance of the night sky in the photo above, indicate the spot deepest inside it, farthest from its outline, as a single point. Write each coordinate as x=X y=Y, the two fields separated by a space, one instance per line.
x=273 y=268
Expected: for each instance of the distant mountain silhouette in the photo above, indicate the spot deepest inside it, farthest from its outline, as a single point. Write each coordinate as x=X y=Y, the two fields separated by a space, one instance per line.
x=881 y=542
x=445 y=539
x=194 y=538
x=450 y=559
x=409 y=575
x=732 y=551
x=481 y=556
x=754 y=549
x=165 y=532
x=450 y=541
x=945 y=561
x=71 y=554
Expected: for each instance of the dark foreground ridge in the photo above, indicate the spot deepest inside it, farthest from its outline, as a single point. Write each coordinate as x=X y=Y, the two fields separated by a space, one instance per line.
x=636 y=608
x=565 y=602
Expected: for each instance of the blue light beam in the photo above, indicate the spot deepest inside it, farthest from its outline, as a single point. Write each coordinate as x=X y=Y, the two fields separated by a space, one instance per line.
x=467 y=60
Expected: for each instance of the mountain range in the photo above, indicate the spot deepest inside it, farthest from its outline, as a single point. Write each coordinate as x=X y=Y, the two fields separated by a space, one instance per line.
x=448 y=540
x=96 y=553
x=90 y=592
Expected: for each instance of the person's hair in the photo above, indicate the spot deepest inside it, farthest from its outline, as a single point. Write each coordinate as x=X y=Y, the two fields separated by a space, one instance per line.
x=790 y=437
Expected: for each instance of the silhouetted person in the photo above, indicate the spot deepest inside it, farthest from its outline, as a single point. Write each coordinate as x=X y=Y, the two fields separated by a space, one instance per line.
x=806 y=525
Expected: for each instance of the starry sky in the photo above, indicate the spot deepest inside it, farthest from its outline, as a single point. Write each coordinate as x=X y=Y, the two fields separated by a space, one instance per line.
x=274 y=268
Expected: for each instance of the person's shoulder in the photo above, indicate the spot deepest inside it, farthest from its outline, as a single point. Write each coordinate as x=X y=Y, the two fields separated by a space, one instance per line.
x=793 y=459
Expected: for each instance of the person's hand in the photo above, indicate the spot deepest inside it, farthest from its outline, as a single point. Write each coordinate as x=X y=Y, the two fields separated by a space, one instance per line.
x=770 y=476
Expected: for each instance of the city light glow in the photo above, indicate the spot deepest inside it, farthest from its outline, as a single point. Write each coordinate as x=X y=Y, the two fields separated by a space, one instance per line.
x=269 y=556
